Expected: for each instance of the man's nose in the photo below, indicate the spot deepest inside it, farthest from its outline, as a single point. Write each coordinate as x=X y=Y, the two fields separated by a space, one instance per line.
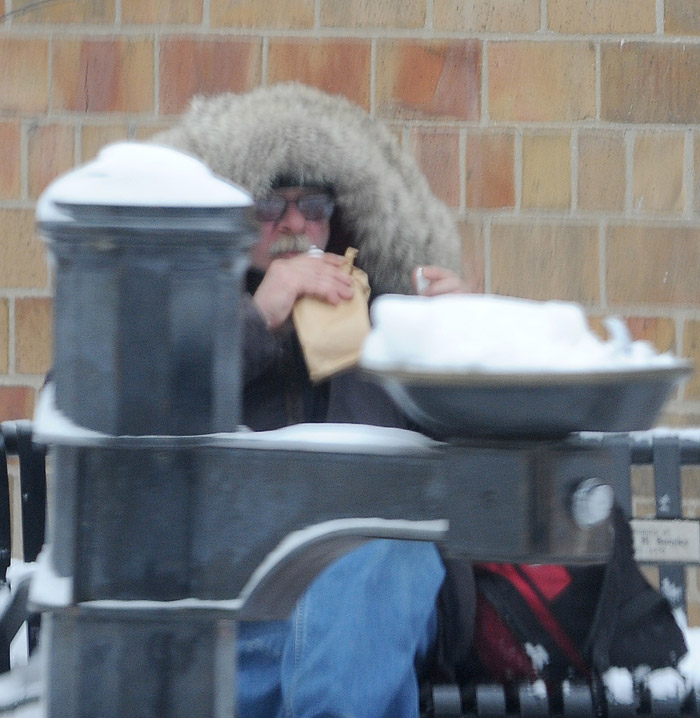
x=292 y=219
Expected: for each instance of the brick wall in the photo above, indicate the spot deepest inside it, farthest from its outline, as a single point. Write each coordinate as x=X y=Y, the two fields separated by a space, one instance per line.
x=564 y=133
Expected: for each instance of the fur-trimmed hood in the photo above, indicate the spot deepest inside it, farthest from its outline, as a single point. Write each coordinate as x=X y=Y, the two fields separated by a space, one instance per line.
x=384 y=201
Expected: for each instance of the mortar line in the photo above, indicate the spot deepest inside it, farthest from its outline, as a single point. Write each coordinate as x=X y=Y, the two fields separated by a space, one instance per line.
x=11 y=335
x=462 y=170
x=373 y=76
x=603 y=263
x=689 y=174
x=598 y=83
x=484 y=114
x=24 y=158
x=573 y=149
x=429 y=15
x=518 y=171
x=206 y=14
x=156 y=74
x=630 y=138
x=488 y=284
x=264 y=49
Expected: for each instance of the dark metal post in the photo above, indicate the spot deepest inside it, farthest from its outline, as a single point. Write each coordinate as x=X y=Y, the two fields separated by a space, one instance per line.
x=150 y=252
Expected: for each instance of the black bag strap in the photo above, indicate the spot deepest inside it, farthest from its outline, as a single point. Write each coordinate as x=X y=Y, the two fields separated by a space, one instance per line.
x=527 y=626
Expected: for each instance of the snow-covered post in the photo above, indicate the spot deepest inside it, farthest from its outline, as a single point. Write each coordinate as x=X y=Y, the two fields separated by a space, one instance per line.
x=150 y=251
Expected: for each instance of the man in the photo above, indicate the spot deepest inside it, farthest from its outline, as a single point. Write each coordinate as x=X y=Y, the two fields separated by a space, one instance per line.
x=324 y=175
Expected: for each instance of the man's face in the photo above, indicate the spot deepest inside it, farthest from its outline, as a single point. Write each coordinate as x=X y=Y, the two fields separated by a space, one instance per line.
x=292 y=220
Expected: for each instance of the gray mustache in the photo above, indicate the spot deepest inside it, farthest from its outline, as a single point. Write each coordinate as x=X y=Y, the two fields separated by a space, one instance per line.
x=291 y=243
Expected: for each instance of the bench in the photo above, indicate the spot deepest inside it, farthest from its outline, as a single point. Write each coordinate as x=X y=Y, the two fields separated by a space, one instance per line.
x=666 y=540
x=19 y=454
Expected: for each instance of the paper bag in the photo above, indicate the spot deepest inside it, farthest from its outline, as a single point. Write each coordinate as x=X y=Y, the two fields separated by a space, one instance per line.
x=331 y=336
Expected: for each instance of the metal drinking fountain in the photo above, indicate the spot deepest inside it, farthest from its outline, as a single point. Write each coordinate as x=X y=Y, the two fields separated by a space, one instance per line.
x=169 y=522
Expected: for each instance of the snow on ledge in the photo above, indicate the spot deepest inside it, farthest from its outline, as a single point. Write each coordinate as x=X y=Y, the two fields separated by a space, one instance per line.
x=52 y=426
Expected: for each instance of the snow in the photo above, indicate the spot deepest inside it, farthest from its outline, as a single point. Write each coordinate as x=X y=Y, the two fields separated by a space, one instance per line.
x=52 y=426
x=434 y=530
x=48 y=589
x=619 y=685
x=497 y=334
x=666 y=683
x=663 y=683
x=538 y=655
x=139 y=174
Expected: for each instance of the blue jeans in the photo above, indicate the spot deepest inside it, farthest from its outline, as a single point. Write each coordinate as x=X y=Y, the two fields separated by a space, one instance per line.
x=352 y=644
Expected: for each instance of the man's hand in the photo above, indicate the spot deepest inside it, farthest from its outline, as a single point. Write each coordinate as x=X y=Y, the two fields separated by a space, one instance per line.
x=431 y=281
x=302 y=275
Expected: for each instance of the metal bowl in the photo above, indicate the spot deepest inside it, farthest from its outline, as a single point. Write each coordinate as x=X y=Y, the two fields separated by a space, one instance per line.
x=532 y=406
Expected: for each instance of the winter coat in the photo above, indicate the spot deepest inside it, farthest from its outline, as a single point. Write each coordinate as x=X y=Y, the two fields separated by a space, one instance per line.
x=277 y=390
x=291 y=133
x=294 y=134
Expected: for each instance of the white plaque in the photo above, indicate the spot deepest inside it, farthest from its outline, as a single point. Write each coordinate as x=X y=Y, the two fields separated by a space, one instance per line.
x=666 y=540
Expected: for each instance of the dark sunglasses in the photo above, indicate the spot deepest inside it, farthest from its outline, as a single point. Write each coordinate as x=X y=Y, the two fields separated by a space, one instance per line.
x=312 y=207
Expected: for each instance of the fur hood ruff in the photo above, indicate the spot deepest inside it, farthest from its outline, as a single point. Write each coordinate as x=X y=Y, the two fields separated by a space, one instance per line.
x=385 y=205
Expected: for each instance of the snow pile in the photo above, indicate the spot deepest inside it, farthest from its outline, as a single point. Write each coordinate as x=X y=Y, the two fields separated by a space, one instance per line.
x=662 y=683
x=142 y=174
x=488 y=333
x=619 y=686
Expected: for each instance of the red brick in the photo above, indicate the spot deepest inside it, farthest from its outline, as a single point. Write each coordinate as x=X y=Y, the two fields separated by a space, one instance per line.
x=696 y=184
x=103 y=75
x=601 y=170
x=681 y=17
x=437 y=153
x=503 y=16
x=94 y=137
x=653 y=265
x=542 y=261
x=650 y=82
x=22 y=253
x=24 y=80
x=4 y=336
x=76 y=11
x=473 y=255
x=691 y=350
x=191 y=66
x=16 y=402
x=11 y=175
x=542 y=81
x=33 y=335
x=547 y=171
x=51 y=153
x=490 y=169
x=337 y=66
x=146 y=129
x=658 y=176
x=659 y=331
x=431 y=79
x=163 y=12
x=601 y=17
x=392 y=14
x=282 y=14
